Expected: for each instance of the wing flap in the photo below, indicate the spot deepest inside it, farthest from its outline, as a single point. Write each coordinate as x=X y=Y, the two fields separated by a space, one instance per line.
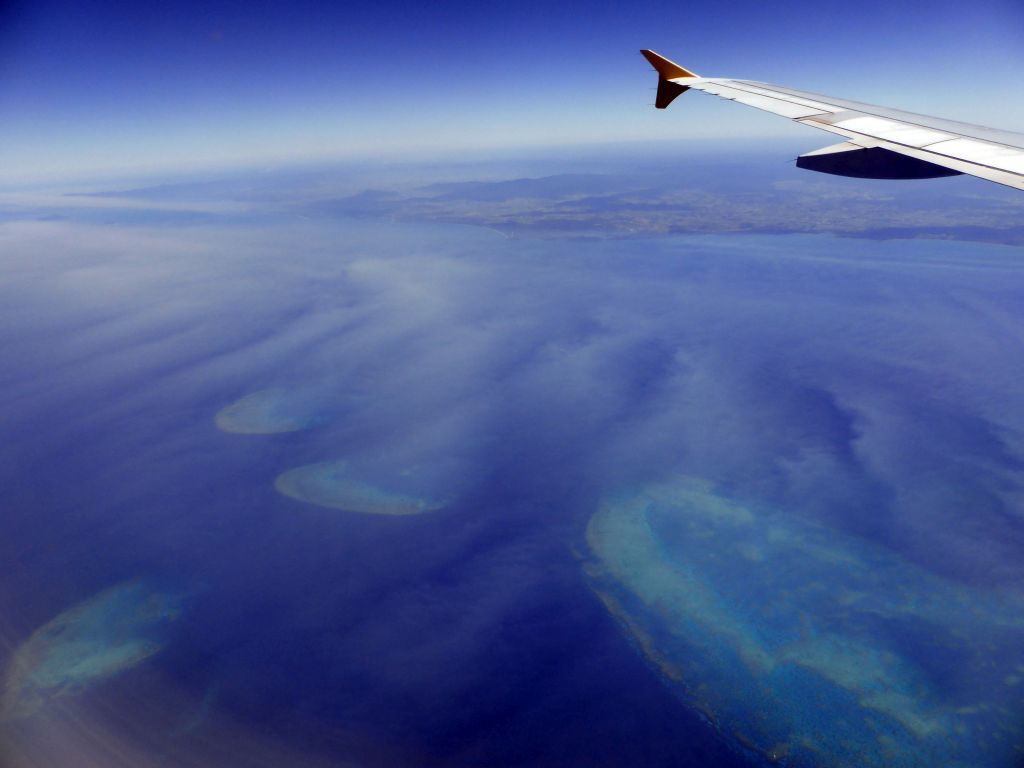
x=983 y=152
x=971 y=168
x=890 y=130
x=1008 y=178
x=1001 y=163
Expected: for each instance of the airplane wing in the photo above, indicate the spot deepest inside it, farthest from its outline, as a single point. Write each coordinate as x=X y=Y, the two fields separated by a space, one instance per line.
x=879 y=143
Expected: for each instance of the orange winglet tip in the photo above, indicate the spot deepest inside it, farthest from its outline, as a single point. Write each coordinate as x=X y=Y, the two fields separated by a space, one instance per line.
x=667 y=69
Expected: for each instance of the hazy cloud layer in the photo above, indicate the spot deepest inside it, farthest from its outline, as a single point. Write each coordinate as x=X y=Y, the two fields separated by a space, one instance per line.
x=870 y=386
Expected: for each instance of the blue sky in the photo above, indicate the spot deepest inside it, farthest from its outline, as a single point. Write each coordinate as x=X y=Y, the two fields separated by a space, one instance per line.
x=135 y=86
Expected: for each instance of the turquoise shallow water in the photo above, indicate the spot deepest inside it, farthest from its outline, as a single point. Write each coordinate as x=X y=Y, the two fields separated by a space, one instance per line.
x=806 y=644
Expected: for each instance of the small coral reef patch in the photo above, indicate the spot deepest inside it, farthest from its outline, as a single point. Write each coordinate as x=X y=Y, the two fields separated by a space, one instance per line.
x=336 y=484
x=94 y=640
x=266 y=412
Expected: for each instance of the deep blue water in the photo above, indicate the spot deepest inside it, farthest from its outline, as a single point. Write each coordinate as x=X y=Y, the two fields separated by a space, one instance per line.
x=872 y=387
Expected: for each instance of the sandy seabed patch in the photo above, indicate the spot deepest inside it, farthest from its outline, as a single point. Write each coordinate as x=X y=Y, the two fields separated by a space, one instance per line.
x=266 y=412
x=334 y=484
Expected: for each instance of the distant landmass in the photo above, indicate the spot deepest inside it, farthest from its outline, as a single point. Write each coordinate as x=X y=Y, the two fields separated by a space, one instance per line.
x=685 y=195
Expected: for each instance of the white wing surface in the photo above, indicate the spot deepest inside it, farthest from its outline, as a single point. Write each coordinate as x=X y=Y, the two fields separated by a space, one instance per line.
x=879 y=142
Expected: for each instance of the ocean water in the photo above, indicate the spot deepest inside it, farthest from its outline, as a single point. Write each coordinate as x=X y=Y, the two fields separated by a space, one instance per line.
x=458 y=407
